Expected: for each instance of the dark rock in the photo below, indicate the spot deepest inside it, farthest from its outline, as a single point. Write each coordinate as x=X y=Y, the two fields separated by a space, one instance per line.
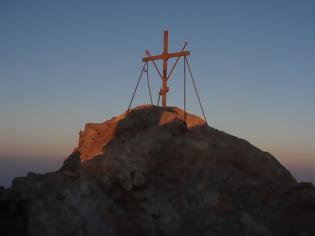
x=304 y=185
x=139 y=179
x=2 y=189
x=14 y=215
x=150 y=172
x=72 y=163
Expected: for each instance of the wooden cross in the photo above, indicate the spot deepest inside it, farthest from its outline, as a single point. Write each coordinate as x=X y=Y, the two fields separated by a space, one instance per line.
x=165 y=56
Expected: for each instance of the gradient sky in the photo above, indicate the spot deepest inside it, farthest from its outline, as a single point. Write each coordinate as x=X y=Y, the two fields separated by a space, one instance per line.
x=65 y=63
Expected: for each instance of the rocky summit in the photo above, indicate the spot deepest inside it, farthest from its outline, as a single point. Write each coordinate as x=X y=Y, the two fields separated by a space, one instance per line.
x=150 y=171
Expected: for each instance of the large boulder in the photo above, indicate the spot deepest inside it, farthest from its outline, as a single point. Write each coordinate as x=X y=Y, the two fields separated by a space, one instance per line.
x=151 y=171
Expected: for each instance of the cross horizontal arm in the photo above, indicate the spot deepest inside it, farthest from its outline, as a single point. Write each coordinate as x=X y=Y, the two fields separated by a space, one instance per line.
x=166 y=56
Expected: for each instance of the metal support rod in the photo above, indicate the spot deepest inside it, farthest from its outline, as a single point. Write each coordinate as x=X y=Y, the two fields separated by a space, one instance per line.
x=157 y=69
x=192 y=78
x=134 y=92
x=158 y=102
x=148 y=83
x=177 y=59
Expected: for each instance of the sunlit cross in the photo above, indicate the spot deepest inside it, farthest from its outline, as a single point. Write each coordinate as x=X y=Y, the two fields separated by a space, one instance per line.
x=164 y=57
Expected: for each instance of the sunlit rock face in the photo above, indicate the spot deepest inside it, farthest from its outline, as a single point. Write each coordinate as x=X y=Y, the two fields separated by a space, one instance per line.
x=152 y=172
x=95 y=136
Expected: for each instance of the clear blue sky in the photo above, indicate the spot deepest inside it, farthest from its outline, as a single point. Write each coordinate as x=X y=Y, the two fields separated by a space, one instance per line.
x=65 y=63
